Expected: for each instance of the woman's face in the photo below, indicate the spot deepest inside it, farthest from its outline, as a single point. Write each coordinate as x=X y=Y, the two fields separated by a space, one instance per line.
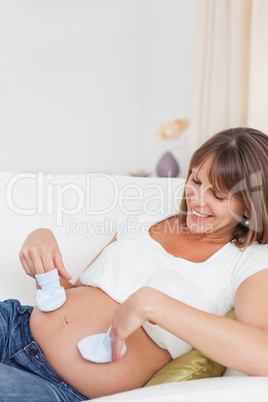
x=210 y=212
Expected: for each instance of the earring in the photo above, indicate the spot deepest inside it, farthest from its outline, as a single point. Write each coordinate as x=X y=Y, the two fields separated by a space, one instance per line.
x=245 y=221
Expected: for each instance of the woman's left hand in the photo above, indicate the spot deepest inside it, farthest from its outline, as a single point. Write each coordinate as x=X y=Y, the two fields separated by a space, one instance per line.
x=127 y=318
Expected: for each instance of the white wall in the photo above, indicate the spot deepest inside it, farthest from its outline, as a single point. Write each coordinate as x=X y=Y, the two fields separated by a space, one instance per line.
x=84 y=84
x=169 y=45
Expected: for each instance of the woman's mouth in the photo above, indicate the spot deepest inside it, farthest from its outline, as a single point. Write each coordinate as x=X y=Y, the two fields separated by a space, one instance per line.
x=199 y=215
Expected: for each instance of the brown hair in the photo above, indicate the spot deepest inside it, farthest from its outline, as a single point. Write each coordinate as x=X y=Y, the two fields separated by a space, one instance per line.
x=239 y=165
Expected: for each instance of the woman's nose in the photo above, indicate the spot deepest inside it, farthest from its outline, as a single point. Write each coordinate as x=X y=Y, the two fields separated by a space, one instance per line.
x=201 y=196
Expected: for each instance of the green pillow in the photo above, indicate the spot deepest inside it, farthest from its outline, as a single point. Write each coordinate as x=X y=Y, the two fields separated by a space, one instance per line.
x=190 y=366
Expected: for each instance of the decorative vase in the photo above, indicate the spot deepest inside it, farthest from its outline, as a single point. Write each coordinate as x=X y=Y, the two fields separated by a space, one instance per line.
x=167 y=166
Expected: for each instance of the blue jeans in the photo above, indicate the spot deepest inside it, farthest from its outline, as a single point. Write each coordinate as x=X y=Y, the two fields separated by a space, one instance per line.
x=25 y=375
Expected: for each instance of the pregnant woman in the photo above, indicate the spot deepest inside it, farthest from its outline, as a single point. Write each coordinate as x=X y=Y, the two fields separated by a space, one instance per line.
x=163 y=291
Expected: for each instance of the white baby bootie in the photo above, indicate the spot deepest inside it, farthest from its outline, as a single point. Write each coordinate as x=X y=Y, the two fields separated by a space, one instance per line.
x=51 y=295
x=97 y=348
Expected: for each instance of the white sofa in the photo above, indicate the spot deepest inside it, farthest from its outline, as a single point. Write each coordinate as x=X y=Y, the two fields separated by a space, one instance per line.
x=82 y=211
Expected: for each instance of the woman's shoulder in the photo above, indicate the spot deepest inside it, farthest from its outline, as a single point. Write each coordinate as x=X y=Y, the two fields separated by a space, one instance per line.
x=247 y=262
x=255 y=249
x=254 y=254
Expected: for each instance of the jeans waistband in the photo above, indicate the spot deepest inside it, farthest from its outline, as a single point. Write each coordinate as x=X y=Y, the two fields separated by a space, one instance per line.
x=22 y=310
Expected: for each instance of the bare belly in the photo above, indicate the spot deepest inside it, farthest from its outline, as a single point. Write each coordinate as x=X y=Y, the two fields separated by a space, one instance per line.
x=88 y=311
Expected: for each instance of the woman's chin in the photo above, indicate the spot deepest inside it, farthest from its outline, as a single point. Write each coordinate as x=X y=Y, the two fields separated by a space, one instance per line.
x=199 y=227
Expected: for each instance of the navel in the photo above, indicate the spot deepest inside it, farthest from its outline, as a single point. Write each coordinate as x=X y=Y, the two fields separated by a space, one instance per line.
x=66 y=320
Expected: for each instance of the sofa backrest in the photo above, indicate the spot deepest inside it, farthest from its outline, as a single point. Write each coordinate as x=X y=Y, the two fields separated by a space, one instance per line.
x=81 y=210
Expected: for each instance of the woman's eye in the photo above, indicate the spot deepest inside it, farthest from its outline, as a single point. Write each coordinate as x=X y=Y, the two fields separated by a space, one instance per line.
x=218 y=198
x=195 y=181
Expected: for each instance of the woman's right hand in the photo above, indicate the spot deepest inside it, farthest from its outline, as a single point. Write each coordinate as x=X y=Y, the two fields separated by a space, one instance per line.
x=40 y=253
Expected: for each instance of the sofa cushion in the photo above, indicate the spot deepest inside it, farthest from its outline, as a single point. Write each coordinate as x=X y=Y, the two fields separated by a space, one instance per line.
x=190 y=366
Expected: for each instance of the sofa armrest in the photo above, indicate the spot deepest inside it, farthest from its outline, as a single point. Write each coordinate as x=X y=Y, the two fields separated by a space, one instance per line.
x=219 y=389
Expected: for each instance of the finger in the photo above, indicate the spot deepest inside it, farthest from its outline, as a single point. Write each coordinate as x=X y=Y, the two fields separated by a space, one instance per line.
x=116 y=349
x=116 y=345
x=35 y=264
x=25 y=266
x=60 y=267
x=28 y=263
x=47 y=262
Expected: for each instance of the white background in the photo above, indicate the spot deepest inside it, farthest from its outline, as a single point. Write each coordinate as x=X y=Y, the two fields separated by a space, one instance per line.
x=85 y=84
